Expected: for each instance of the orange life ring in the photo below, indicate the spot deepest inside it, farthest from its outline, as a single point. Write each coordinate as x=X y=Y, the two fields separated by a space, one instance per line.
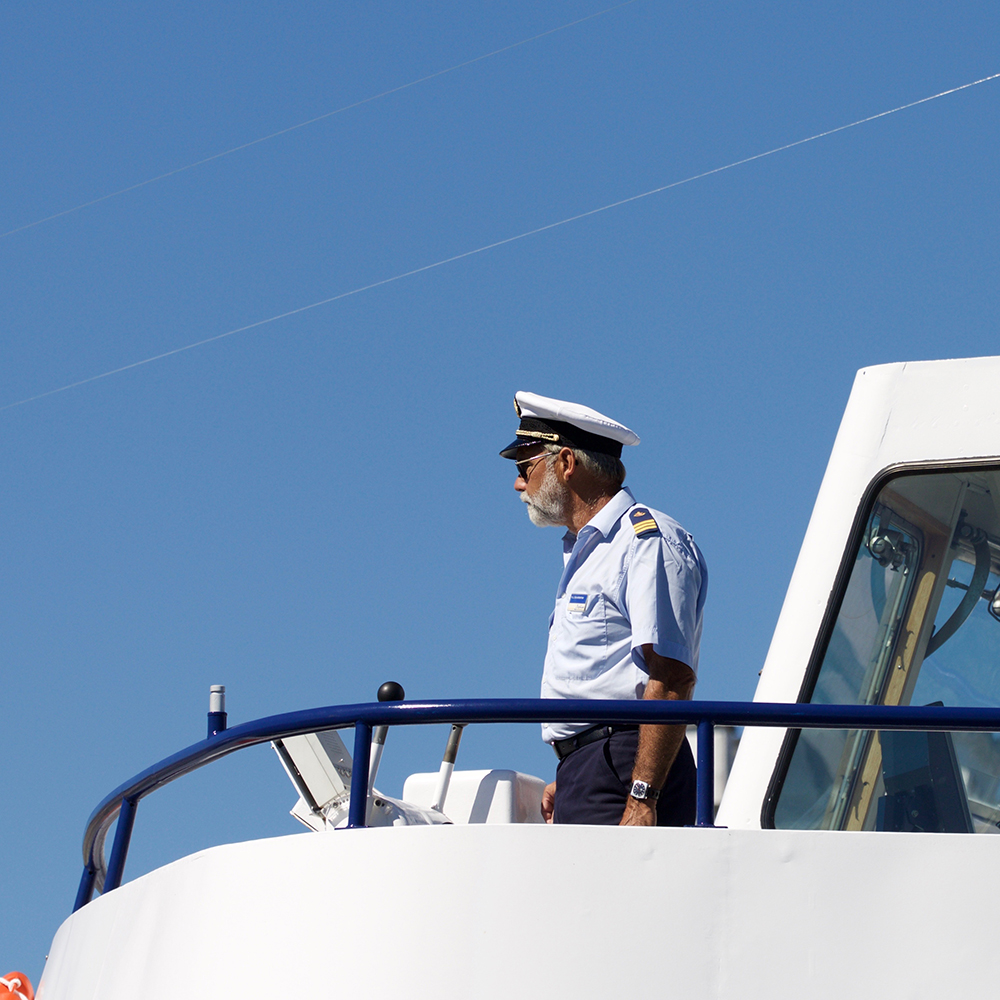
x=16 y=984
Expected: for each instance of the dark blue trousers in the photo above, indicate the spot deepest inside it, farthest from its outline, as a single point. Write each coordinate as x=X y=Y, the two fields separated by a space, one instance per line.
x=592 y=784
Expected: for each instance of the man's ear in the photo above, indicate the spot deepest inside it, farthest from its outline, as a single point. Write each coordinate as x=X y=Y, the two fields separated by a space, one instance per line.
x=566 y=462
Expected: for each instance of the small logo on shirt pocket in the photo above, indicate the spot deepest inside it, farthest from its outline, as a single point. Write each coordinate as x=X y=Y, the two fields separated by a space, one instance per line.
x=577 y=603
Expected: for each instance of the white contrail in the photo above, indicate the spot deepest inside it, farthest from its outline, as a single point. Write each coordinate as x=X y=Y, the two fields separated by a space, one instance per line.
x=311 y=121
x=498 y=243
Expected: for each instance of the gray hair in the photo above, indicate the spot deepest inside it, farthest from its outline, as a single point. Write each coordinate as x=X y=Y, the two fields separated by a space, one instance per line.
x=606 y=469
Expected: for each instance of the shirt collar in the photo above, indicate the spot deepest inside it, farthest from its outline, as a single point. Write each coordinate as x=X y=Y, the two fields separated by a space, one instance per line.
x=607 y=517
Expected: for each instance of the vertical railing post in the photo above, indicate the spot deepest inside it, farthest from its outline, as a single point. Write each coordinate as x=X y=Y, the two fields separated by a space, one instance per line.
x=119 y=849
x=359 y=775
x=705 y=814
x=216 y=709
x=86 y=890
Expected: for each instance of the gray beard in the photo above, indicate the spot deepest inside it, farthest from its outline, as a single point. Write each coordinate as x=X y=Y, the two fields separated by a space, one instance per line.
x=547 y=508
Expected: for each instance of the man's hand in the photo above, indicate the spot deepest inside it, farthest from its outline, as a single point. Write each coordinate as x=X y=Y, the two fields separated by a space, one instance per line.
x=639 y=813
x=549 y=802
x=658 y=745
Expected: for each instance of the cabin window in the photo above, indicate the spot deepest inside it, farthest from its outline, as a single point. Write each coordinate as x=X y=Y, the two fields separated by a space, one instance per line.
x=918 y=623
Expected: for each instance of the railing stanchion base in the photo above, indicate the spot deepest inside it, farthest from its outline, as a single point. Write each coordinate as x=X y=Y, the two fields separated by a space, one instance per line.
x=119 y=849
x=86 y=890
x=357 y=812
x=705 y=813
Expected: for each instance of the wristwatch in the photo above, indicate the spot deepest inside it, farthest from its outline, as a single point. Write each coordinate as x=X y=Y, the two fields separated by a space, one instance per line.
x=644 y=792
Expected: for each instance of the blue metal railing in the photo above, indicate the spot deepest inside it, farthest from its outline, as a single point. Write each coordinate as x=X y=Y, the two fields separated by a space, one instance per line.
x=122 y=802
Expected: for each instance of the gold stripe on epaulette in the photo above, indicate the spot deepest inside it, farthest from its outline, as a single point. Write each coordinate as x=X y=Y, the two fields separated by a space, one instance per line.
x=642 y=526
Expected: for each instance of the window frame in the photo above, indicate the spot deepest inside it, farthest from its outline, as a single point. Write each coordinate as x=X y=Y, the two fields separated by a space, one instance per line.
x=834 y=603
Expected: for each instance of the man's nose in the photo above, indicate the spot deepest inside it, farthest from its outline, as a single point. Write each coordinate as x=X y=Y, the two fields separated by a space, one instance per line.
x=519 y=484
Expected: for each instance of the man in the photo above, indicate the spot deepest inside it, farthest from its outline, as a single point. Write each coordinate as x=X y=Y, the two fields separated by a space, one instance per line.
x=627 y=620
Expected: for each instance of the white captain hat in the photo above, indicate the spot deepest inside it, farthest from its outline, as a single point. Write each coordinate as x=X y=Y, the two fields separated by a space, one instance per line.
x=555 y=421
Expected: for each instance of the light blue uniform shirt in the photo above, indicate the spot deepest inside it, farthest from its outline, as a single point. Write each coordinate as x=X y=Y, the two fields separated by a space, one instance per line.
x=618 y=591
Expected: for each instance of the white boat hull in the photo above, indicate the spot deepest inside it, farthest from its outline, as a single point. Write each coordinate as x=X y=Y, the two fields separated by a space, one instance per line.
x=505 y=911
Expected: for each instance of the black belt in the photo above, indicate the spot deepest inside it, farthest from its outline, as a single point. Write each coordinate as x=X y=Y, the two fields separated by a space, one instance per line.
x=564 y=748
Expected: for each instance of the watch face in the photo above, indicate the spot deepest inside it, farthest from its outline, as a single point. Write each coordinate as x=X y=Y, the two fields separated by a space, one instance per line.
x=639 y=789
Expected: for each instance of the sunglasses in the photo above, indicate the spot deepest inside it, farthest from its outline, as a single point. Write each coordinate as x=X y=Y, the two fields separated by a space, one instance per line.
x=527 y=465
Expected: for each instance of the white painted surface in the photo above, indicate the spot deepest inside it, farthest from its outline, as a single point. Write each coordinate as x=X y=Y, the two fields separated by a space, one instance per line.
x=901 y=413
x=724 y=743
x=538 y=911
x=323 y=763
x=497 y=796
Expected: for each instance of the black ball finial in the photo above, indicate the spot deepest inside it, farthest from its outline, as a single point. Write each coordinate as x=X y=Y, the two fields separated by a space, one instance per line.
x=391 y=691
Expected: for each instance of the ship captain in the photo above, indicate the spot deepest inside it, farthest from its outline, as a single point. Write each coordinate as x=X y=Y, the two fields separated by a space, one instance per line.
x=627 y=619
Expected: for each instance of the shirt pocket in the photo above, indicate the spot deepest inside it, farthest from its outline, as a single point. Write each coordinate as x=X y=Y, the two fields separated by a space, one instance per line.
x=583 y=638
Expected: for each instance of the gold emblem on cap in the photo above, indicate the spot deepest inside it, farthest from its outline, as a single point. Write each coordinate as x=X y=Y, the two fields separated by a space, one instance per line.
x=540 y=435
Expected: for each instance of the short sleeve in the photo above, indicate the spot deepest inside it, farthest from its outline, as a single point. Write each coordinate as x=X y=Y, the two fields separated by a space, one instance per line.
x=664 y=598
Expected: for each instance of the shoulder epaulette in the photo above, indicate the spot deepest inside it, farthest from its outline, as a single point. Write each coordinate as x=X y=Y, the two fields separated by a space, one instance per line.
x=642 y=522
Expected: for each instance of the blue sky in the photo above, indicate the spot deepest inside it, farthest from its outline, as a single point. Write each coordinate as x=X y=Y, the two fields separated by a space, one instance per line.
x=308 y=508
